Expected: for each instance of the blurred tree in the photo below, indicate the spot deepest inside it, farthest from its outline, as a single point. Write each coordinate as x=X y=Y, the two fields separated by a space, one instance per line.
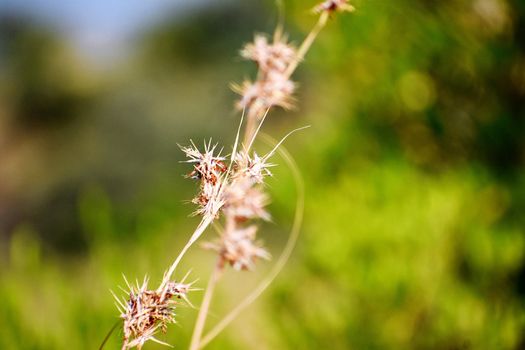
x=42 y=84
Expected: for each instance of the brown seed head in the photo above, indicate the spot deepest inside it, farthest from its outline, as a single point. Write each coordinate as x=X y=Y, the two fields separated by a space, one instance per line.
x=147 y=311
x=209 y=169
x=207 y=166
x=333 y=6
x=244 y=201
x=274 y=56
x=239 y=249
x=276 y=90
x=253 y=167
x=273 y=86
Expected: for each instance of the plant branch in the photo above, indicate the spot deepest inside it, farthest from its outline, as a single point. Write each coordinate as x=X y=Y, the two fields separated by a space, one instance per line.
x=109 y=335
x=196 y=234
x=283 y=259
x=307 y=43
x=205 y=306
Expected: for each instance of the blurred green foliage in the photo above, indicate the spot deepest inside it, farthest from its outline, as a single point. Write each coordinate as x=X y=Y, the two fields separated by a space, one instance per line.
x=414 y=234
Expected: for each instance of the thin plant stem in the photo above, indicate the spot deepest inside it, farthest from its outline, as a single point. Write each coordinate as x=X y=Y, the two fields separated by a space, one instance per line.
x=307 y=43
x=283 y=258
x=249 y=138
x=205 y=306
x=109 y=335
x=301 y=52
x=276 y=147
x=236 y=143
x=251 y=123
x=196 y=234
x=279 y=28
x=252 y=140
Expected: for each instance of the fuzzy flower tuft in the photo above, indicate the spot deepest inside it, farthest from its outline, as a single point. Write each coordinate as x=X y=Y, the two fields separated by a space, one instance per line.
x=243 y=201
x=209 y=168
x=148 y=311
x=274 y=56
x=253 y=167
x=239 y=249
x=333 y=6
x=275 y=90
x=273 y=86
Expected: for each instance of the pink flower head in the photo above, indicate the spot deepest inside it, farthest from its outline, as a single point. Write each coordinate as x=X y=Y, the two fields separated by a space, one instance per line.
x=239 y=249
x=148 y=311
x=274 y=56
x=333 y=6
x=243 y=201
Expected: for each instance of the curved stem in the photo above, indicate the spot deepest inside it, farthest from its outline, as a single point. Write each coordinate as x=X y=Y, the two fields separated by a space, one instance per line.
x=283 y=259
x=196 y=234
x=307 y=43
x=279 y=28
x=254 y=134
x=205 y=306
x=109 y=335
x=251 y=123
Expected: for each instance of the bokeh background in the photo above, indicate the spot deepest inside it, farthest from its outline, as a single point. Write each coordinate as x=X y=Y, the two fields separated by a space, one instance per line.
x=414 y=235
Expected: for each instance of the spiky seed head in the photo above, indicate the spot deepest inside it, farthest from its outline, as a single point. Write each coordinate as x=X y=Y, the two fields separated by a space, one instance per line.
x=244 y=201
x=333 y=6
x=209 y=168
x=253 y=167
x=146 y=311
x=210 y=199
x=273 y=86
x=239 y=249
x=276 y=90
x=274 y=56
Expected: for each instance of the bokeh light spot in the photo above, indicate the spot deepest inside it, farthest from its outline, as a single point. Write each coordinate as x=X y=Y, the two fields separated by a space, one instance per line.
x=417 y=91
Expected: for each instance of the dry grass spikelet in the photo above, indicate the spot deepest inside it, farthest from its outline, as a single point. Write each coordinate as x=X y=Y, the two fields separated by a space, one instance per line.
x=238 y=248
x=273 y=86
x=146 y=311
x=245 y=201
x=333 y=6
x=209 y=168
x=274 y=56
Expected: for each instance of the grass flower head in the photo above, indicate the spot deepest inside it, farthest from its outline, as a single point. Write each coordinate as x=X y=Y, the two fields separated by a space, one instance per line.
x=239 y=249
x=148 y=311
x=333 y=6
